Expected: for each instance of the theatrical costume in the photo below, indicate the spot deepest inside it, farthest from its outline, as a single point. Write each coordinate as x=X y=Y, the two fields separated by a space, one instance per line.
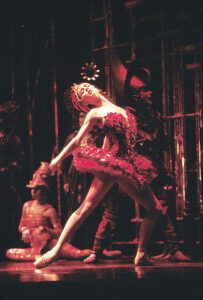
x=152 y=142
x=121 y=159
x=40 y=222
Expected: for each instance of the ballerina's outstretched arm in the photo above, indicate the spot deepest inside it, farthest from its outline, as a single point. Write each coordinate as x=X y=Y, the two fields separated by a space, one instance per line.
x=90 y=120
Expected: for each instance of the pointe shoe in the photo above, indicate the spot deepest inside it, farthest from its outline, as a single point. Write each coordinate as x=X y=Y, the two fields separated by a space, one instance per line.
x=92 y=258
x=45 y=260
x=143 y=260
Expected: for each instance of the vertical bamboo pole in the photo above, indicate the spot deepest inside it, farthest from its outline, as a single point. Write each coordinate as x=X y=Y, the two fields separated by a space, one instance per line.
x=199 y=123
x=56 y=127
x=107 y=41
x=12 y=63
x=179 y=135
x=29 y=103
x=198 y=110
x=168 y=160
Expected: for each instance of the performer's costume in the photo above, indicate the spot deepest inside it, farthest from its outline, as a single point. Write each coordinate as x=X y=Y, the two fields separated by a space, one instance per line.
x=36 y=220
x=152 y=142
x=121 y=159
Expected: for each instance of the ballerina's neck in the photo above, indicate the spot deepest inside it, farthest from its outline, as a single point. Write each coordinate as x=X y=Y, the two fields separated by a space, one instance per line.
x=108 y=107
x=105 y=110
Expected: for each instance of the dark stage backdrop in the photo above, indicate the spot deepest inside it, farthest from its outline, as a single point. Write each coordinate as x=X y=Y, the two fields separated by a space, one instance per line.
x=40 y=39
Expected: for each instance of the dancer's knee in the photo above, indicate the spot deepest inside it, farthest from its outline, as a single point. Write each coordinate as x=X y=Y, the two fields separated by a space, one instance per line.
x=85 y=209
x=88 y=208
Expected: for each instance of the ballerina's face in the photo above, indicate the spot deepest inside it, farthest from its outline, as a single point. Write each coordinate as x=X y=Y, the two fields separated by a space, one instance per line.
x=88 y=93
x=85 y=96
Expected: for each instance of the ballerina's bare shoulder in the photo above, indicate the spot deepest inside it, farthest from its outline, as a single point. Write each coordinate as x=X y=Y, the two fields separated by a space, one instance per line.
x=98 y=115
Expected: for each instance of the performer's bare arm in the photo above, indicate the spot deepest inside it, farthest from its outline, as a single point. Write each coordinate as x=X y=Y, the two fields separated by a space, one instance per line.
x=91 y=119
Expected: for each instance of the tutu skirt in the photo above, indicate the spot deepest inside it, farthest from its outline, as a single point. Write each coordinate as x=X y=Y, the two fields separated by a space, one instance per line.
x=134 y=167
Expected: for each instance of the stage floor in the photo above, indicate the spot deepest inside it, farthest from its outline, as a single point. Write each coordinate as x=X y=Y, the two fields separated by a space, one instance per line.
x=108 y=279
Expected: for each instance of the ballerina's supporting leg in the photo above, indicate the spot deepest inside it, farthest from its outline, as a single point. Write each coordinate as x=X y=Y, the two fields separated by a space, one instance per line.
x=99 y=187
x=148 y=200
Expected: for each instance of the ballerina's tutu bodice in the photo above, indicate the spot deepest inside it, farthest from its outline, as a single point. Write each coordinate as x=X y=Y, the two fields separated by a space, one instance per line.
x=121 y=133
x=121 y=158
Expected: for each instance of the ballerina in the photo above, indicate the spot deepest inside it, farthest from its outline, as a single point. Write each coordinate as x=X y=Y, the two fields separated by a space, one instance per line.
x=116 y=162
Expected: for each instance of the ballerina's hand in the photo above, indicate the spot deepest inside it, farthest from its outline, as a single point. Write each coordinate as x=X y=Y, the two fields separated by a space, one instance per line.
x=46 y=259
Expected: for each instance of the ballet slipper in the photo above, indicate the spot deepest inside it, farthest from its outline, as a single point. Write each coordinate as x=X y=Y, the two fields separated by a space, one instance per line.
x=45 y=260
x=143 y=260
x=91 y=259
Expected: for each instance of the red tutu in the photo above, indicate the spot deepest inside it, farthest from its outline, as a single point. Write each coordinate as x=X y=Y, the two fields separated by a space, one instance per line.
x=121 y=160
x=96 y=161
